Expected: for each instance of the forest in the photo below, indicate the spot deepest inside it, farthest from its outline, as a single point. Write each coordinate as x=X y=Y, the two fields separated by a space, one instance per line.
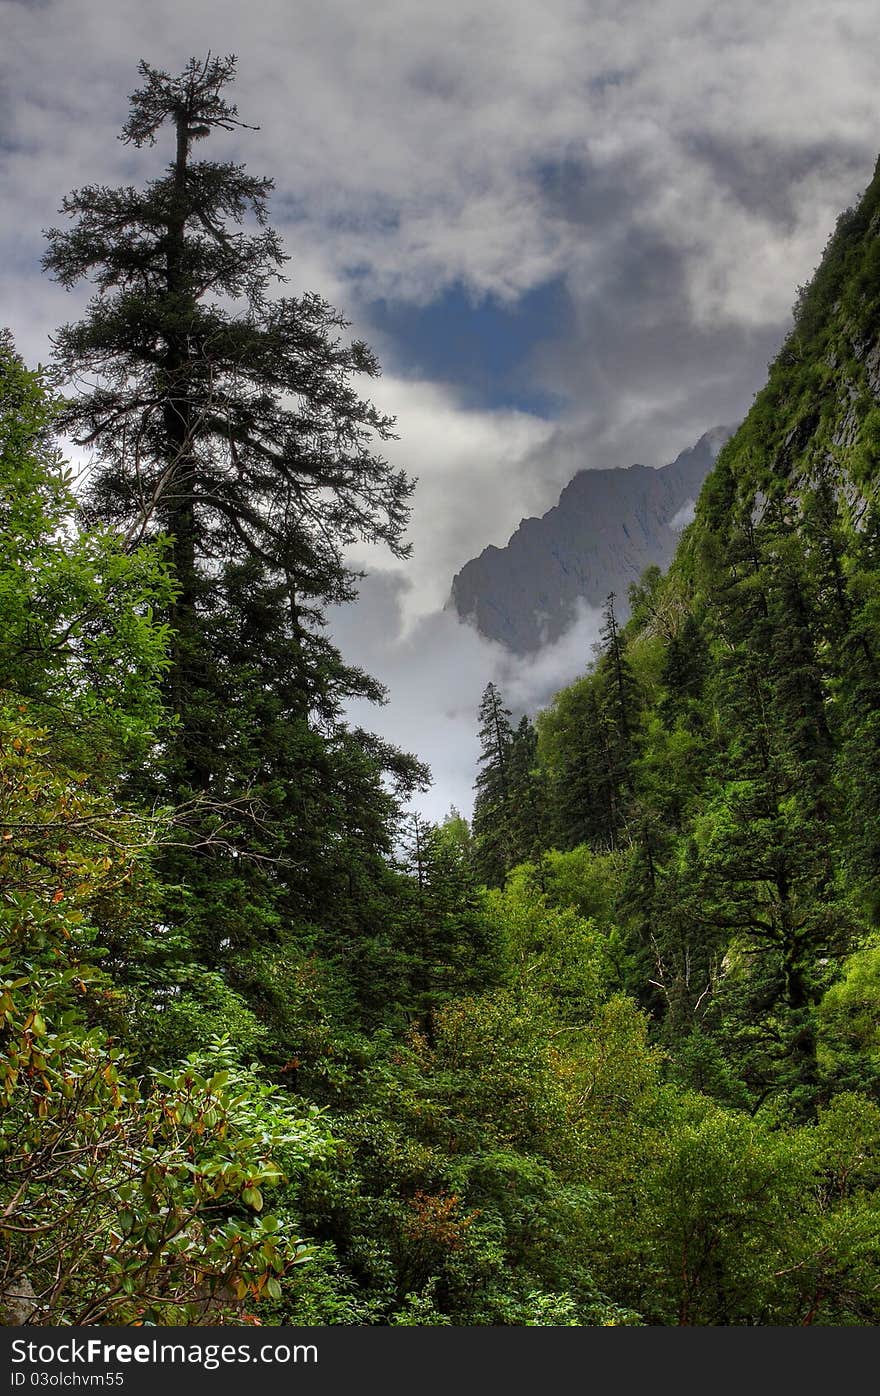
x=273 y=1049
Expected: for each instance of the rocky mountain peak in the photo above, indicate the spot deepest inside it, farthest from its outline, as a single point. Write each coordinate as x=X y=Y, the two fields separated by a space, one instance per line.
x=608 y=526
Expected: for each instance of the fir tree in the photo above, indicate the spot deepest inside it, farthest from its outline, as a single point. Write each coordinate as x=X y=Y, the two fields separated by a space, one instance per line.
x=619 y=704
x=622 y=698
x=448 y=944
x=224 y=417
x=492 y=804
x=219 y=415
x=527 y=795
x=586 y=788
x=685 y=667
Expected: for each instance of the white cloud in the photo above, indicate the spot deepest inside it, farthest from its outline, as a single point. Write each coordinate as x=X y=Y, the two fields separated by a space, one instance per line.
x=435 y=670
x=407 y=135
x=683 y=516
x=476 y=479
x=530 y=681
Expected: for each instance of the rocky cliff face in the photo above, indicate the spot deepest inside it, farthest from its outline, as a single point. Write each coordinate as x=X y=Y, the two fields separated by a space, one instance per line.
x=608 y=526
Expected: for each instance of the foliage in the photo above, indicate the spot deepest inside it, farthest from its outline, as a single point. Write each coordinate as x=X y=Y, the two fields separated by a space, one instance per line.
x=126 y=1203
x=608 y=1057
x=121 y=1201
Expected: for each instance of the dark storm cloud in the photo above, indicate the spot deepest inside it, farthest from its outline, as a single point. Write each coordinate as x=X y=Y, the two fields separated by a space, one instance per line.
x=642 y=378
x=763 y=175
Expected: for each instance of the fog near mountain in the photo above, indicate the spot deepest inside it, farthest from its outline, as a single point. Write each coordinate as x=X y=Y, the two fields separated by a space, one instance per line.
x=608 y=526
x=435 y=670
x=436 y=664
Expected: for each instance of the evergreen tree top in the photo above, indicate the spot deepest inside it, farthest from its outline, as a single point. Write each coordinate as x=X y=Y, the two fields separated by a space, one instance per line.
x=208 y=397
x=193 y=98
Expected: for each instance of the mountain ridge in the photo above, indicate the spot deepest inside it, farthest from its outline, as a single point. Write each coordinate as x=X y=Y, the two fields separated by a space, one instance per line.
x=607 y=526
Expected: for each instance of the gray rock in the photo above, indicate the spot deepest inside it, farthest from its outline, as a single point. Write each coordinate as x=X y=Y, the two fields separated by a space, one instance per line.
x=18 y=1303
x=608 y=526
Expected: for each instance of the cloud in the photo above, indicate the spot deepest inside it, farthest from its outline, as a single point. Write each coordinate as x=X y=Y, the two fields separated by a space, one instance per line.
x=678 y=166
x=476 y=478
x=415 y=141
x=683 y=516
x=436 y=669
x=529 y=682
x=435 y=674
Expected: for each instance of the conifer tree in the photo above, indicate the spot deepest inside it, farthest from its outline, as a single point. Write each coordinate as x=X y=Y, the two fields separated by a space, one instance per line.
x=527 y=795
x=765 y=874
x=492 y=807
x=224 y=417
x=584 y=797
x=685 y=666
x=219 y=414
x=617 y=703
x=621 y=684
x=447 y=946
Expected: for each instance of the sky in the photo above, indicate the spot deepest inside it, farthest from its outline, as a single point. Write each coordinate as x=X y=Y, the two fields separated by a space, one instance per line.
x=572 y=232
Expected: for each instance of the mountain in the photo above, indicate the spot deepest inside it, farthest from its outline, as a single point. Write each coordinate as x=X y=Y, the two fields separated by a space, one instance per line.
x=719 y=761
x=815 y=426
x=608 y=526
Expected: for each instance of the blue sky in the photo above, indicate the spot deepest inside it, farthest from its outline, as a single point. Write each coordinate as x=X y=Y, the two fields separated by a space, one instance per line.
x=483 y=348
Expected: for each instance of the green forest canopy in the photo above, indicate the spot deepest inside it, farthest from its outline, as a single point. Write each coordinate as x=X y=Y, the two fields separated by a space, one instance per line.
x=286 y=1054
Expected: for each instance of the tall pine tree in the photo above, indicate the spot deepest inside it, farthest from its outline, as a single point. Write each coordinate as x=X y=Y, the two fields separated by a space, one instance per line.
x=493 y=835
x=219 y=415
x=224 y=417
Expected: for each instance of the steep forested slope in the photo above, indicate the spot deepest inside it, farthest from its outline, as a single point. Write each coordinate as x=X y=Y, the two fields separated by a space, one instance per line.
x=725 y=750
x=709 y=793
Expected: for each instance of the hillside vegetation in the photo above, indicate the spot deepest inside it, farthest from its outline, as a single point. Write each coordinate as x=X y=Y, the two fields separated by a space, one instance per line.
x=274 y=1051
